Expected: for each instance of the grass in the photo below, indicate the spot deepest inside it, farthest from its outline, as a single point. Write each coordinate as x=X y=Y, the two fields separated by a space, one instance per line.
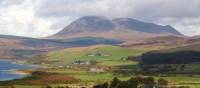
x=25 y=86
x=192 y=82
x=90 y=77
x=181 y=78
x=113 y=55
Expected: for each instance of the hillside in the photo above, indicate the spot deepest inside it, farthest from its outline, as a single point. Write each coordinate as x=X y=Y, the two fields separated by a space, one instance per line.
x=159 y=42
x=14 y=47
x=163 y=42
x=193 y=47
x=103 y=54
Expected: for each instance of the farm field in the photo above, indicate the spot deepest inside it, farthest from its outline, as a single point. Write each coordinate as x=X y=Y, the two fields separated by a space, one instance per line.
x=106 y=55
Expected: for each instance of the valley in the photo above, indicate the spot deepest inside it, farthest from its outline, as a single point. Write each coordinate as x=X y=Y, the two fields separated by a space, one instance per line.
x=107 y=62
x=93 y=50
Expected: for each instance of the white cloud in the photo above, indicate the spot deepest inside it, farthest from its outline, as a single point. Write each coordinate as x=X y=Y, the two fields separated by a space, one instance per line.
x=20 y=20
x=38 y=18
x=10 y=2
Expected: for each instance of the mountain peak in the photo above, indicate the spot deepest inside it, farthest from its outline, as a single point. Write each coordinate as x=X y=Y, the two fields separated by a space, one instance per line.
x=89 y=24
x=125 y=19
x=92 y=17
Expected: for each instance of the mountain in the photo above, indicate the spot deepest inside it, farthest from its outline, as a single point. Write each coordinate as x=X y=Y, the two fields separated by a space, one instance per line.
x=120 y=28
x=85 y=31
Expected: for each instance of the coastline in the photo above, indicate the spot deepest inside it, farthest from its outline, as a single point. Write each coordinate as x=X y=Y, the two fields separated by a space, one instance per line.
x=21 y=72
x=22 y=62
x=17 y=73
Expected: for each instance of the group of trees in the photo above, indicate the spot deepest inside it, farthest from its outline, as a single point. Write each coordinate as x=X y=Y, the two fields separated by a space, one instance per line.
x=181 y=57
x=137 y=82
x=164 y=61
x=56 y=87
x=162 y=68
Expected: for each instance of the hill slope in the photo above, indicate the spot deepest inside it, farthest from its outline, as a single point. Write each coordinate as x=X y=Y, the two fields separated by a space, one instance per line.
x=13 y=47
x=103 y=54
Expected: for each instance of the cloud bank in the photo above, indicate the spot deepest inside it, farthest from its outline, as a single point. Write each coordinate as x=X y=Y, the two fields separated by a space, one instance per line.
x=39 y=18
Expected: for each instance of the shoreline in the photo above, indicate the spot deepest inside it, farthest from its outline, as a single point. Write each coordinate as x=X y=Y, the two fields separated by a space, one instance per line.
x=17 y=74
x=20 y=72
x=18 y=62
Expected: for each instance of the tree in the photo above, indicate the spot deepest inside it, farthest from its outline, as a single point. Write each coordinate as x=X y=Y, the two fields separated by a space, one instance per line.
x=148 y=82
x=131 y=83
x=105 y=85
x=98 y=86
x=124 y=84
x=162 y=83
x=115 y=82
x=12 y=86
x=182 y=68
x=48 y=87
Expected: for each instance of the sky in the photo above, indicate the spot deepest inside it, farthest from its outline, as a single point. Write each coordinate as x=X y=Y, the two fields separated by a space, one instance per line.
x=40 y=18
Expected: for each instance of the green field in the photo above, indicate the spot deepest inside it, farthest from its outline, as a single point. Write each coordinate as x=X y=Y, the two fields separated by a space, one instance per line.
x=111 y=55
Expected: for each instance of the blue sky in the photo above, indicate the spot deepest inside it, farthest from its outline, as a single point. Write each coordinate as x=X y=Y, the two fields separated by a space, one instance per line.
x=39 y=18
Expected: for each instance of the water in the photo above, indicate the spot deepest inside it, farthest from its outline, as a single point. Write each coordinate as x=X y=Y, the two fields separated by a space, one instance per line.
x=8 y=68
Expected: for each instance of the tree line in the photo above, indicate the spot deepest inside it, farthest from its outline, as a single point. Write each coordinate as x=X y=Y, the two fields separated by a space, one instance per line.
x=137 y=82
x=179 y=57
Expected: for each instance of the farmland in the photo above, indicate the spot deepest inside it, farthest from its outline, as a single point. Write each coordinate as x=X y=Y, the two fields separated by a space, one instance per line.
x=103 y=54
x=112 y=59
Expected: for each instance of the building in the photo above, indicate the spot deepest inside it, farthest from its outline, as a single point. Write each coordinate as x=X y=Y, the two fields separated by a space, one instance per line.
x=97 y=70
